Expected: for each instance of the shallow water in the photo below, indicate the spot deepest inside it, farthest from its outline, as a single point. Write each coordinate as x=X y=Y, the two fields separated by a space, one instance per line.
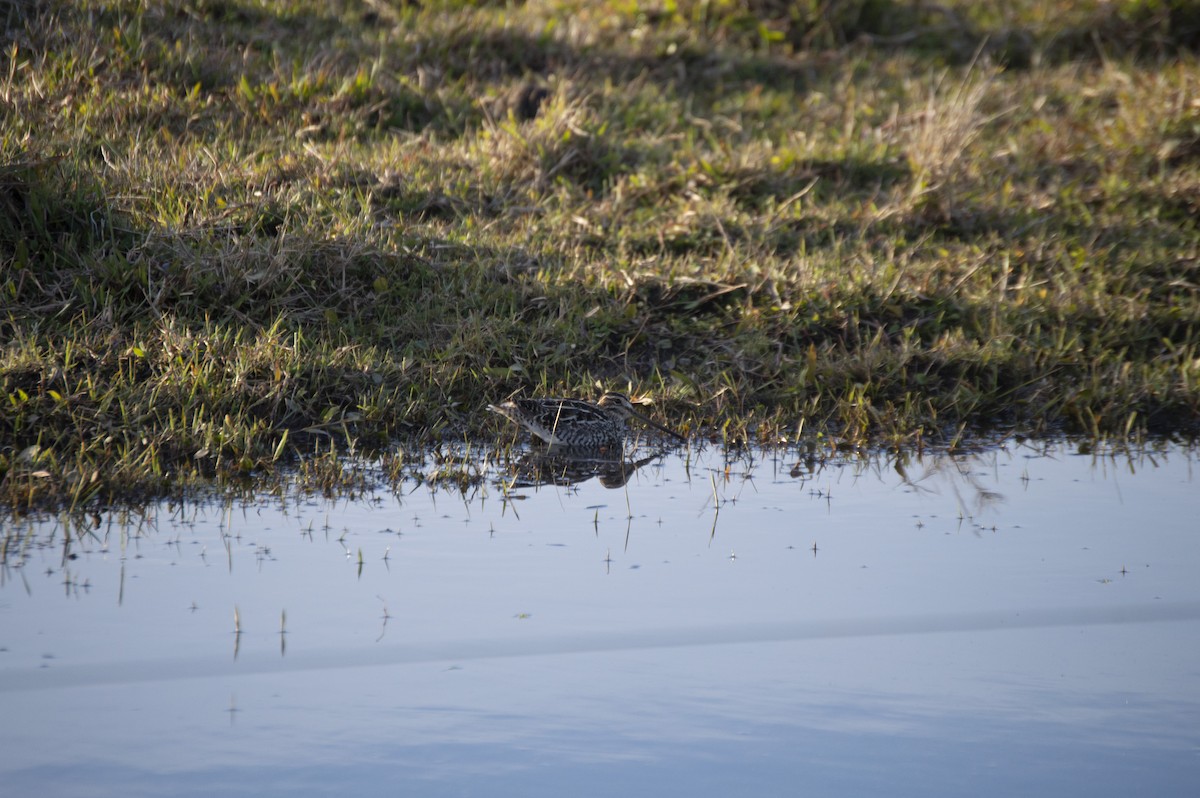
x=1020 y=621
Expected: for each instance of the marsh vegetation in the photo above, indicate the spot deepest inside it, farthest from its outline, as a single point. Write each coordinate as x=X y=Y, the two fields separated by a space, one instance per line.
x=232 y=232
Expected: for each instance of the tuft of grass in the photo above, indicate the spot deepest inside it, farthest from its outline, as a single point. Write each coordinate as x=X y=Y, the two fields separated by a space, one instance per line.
x=235 y=235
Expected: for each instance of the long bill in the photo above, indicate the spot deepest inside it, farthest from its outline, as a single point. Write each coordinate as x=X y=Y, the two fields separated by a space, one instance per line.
x=659 y=427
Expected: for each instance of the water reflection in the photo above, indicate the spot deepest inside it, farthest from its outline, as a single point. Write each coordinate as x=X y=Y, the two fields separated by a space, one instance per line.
x=797 y=609
x=564 y=468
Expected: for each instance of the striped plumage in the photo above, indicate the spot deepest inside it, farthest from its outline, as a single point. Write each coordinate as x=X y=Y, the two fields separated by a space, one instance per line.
x=576 y=423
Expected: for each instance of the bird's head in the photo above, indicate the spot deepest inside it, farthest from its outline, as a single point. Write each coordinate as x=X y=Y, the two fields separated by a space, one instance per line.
x=620 y=405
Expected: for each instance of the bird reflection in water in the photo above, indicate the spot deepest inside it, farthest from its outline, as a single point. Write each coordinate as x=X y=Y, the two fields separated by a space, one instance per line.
x=564 y=467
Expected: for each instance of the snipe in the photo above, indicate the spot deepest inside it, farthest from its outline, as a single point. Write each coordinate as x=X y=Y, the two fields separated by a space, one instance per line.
x=575 y=423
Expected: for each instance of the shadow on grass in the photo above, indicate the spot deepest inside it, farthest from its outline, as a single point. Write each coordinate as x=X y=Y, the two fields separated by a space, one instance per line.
x=414 y=340
x=213 y=45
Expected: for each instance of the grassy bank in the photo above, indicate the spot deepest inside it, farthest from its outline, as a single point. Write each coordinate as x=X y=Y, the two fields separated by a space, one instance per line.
x=230 y=231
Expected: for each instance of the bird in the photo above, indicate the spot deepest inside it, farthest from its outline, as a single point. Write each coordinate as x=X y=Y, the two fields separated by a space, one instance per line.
x=577 y=423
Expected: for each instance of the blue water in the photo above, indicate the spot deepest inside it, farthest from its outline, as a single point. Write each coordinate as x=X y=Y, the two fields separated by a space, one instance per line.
x=1020 y=621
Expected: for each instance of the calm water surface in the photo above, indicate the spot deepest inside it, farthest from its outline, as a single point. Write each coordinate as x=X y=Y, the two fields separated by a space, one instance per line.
x=1021 y=621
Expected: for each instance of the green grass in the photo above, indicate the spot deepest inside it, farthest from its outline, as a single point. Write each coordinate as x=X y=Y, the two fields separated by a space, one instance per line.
x=233 y=231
